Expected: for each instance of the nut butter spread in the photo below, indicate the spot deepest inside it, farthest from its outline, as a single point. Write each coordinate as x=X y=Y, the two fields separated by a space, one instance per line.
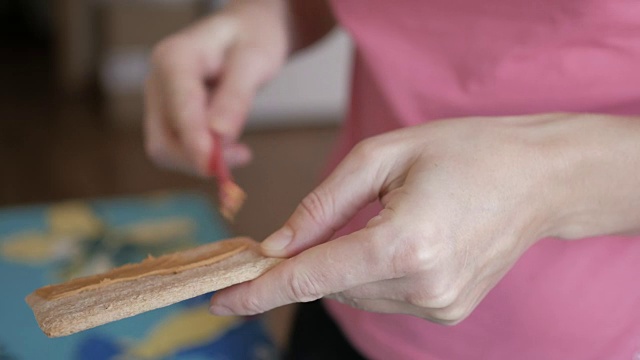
x=164 y=265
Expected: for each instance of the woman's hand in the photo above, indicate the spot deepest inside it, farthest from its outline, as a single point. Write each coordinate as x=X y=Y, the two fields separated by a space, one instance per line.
x=462 y=199
x=206 y=77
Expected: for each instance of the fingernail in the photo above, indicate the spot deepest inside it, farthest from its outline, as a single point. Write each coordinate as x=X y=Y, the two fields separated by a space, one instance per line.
x=278 y=240
x=220 y=310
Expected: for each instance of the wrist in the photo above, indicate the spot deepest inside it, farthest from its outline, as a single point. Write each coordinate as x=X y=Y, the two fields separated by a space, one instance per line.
x=595 y=172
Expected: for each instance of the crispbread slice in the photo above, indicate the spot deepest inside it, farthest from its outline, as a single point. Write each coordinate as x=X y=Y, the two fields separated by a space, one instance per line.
x=84 y=303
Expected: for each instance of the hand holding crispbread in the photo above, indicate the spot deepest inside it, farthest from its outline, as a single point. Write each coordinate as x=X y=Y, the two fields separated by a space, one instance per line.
x=87 y=302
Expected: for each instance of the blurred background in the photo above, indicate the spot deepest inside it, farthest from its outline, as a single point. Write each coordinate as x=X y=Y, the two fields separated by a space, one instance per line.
x=71 y=76
x=71 y=105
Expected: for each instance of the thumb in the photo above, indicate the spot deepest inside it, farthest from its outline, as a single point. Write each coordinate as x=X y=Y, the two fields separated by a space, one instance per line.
x=352 y=185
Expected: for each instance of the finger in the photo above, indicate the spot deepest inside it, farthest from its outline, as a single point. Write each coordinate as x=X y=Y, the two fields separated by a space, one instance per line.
x=405 y=291
x=355 y=183
x=424 y=289
x=183 y=63
x=384 y=306
x=388 y=289
x=325 y=269
x=237 y=154
x=394 y=296
x=464 y=304
x=160 y=144
x=184 y=95
x=242 y=75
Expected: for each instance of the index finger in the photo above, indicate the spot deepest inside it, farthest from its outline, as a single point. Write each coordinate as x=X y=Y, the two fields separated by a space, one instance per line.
x=335 y=266
x=184 y=95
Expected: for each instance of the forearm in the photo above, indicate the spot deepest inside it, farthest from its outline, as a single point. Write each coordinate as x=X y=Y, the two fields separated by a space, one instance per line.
x=598 y=160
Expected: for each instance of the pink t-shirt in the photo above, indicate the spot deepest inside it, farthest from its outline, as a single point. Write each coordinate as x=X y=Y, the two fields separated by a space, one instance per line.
x=420 y=60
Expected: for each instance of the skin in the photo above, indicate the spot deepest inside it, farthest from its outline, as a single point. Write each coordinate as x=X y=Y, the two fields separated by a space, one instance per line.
x=206 y=76
x=455 y=218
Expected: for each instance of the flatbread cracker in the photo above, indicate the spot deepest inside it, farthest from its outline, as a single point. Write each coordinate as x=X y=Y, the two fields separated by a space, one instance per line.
x=87 y=302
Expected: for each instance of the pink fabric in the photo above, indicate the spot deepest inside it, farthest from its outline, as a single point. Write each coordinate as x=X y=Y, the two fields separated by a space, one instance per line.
x=420 y=60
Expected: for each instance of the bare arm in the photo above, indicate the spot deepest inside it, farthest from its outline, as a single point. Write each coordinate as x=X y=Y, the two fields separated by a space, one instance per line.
x=600 y=169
